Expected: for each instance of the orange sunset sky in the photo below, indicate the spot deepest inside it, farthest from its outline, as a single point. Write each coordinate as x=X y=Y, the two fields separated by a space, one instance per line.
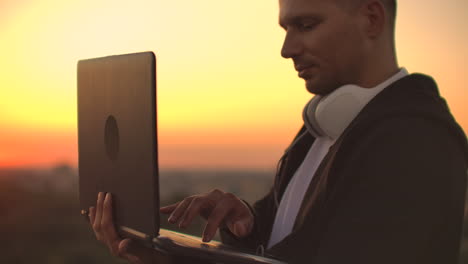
x=226 y=98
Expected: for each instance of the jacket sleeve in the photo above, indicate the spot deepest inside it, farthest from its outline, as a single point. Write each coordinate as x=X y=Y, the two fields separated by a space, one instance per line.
x=400 y=200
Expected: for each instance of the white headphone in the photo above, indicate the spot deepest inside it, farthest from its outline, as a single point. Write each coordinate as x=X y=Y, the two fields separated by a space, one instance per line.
x=330 y=115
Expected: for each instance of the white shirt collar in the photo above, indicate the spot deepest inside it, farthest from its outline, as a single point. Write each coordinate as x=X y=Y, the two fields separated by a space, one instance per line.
x=331 y=114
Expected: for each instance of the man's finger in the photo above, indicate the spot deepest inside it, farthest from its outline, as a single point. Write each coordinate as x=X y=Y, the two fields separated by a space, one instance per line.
x=177 y=213
x=192 y=210
x=242 y=222
x=92 y=215
x=168 y=209
x=215 y=219
x=123 y=251
x=107 y=222
x=240 y=227
x=97 y=219
x=124 y=245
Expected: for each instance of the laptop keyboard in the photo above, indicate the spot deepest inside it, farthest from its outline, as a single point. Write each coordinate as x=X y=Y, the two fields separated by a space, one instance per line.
x=184 y=244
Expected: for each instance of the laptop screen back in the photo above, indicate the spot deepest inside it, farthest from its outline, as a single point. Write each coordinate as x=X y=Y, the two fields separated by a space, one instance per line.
x=117 y=140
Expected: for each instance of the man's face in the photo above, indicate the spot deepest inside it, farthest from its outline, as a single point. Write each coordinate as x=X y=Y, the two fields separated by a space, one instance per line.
x=324 y=41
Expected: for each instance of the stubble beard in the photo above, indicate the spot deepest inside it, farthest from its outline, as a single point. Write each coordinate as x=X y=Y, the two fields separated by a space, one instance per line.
x=318 y=87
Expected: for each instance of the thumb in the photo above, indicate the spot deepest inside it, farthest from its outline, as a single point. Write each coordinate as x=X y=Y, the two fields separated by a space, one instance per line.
x=241 y=228
x=124 y=251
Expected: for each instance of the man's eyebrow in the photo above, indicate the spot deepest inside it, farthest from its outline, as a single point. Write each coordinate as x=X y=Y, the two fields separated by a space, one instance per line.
x=298 y=18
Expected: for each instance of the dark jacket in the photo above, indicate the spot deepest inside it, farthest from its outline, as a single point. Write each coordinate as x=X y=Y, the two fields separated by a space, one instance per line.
x=390 y=190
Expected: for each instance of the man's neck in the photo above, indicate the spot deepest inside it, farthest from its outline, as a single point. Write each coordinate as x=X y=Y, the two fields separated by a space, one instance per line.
x=378 y=71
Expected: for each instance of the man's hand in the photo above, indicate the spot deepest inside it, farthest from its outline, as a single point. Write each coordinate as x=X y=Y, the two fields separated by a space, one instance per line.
x=218 y=208
x=102 y=223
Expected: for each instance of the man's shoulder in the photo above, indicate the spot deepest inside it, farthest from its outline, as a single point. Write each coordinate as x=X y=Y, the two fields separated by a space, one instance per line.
x=414 y=95
x=410 y=108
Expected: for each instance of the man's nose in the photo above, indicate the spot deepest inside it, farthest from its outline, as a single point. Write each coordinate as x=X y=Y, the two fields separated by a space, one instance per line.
x=292 y=47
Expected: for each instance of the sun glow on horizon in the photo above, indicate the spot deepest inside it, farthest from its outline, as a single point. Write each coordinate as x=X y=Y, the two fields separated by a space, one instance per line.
x=226 y=98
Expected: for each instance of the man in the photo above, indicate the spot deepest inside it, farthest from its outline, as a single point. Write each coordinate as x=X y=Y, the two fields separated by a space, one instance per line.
x=376 y=175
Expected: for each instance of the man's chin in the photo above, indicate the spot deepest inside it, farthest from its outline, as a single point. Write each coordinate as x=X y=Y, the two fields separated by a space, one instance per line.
x=314 y=86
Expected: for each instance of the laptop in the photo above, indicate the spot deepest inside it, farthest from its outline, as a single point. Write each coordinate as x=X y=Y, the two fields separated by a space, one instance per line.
x=117 y=153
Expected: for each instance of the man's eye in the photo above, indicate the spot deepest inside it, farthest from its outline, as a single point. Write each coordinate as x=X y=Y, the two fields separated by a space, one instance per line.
x=306 y=26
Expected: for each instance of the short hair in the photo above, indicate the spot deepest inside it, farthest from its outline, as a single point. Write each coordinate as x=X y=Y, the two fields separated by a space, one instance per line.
x=390 y=6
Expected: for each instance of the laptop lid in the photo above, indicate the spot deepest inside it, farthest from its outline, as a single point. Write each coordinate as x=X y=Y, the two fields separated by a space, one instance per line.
x=117 y=141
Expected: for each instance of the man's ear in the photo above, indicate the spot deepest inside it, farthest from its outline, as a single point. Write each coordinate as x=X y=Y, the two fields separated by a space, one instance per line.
x=375 y=18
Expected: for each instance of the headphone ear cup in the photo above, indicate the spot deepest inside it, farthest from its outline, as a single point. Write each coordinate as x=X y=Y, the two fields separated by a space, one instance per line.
x=310 y=120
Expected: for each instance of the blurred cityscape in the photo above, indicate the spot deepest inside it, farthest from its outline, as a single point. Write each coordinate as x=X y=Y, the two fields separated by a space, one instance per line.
x=40 y=220
x=40 y=216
